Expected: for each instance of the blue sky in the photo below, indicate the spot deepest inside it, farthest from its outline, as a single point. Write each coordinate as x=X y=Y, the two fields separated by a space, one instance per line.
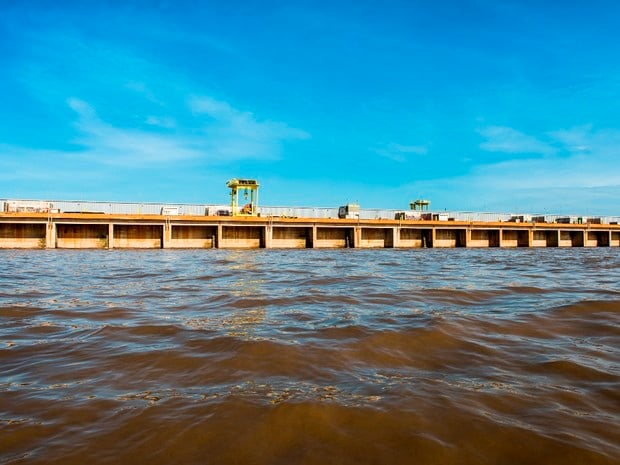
x=476 y=104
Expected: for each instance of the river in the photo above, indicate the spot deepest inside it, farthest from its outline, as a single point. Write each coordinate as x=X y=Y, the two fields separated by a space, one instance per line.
x=434 y=356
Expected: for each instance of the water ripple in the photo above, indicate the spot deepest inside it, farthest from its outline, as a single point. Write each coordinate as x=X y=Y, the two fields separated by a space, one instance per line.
x=310 y=356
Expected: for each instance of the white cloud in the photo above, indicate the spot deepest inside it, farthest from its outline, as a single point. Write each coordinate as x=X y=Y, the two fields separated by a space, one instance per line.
x=102 y=150
x=235 y=134
x=575 y=139
x=582 y=176
x=104 y=143
x=400 y=153
x=592 y=144
x=229 y=134
x=508 y=140
x=589 y=159
x=162 y=122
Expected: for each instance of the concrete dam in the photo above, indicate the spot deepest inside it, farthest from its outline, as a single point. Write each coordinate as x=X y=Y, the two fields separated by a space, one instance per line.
x=151 y=226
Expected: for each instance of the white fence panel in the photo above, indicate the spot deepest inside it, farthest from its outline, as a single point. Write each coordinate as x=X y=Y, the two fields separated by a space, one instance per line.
x=149 y=208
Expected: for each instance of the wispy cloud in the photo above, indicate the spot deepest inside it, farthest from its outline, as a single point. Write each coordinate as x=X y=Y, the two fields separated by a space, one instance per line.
x=162 y=122
x=575 y=139
x=585 y=158
x=103 y=149
x=115 y=115
x=234 y=134
x=229 y=134
x=590 y=143
x=508 y=140
x=400 y=153
x=581 y=175
x=104 y=143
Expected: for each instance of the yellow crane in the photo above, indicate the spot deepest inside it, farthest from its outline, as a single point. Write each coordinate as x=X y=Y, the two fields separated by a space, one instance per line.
x=246 y=188
x=420 y=204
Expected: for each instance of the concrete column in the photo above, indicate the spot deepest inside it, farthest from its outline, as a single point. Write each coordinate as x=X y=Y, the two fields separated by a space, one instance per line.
x=218 y=236
x=267 y=236
x=586 y=238
x=167 y=235
x=357 y=237
x=111 y=236
x=50 y=235
x=314 y=236
x=434 y=238
x=468 y=237
x=396 y=237
x=501 y=237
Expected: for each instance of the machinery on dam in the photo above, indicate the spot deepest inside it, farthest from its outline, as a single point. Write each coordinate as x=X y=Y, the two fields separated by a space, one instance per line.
x=420 y=204
x=248 y=189
x=349 y=211
x=242 y=224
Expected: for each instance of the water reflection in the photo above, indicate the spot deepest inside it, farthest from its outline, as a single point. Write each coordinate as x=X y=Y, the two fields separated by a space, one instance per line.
x=246 y=287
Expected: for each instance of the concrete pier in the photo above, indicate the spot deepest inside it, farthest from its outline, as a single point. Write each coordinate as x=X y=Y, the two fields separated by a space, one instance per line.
x=100 y=231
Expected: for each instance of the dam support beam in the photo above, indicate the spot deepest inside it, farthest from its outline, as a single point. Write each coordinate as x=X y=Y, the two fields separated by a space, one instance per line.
x=50 y=235
x=218 y=237
x=111 y=236
x=392 y=237
x=267 y=242
x=166 y=235
x=357 y=237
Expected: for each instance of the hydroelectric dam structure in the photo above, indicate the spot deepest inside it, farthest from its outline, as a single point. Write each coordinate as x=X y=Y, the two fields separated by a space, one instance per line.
x=115 y=225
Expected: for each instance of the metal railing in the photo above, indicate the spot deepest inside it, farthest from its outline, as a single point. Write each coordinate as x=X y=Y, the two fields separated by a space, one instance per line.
x=151 y=208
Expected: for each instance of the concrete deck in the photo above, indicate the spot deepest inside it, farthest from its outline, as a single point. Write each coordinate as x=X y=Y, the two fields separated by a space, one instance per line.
x=98 y=231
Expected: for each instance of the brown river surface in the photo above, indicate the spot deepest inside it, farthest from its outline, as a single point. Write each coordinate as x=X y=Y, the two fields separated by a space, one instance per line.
x=432 y=356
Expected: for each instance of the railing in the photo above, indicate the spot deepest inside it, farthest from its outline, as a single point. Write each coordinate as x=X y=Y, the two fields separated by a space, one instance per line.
x=150 y=208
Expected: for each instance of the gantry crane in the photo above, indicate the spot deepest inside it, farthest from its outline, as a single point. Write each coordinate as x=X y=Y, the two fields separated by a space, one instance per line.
x=245 y=187
x=420 y=204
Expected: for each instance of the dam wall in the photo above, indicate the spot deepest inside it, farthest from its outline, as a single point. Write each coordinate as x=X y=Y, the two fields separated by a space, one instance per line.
x=115 y=231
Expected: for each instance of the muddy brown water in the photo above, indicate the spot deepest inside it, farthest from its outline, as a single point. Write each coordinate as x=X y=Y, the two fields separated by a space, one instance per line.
x=310 y=356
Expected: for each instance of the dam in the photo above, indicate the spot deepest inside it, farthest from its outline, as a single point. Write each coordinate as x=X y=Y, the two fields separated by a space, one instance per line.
x=99 y=225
